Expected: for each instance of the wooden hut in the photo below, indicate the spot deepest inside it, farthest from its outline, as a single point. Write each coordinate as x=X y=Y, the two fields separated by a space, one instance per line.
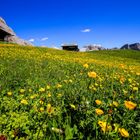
x=70 y=47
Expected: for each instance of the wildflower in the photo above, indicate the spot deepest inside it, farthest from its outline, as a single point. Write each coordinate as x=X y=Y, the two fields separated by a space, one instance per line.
x=138 y=74
x=41 y=89
x=59 y=95
x=81 y=73
x=98 y=102
x=72 y=106
x=104 y=126
x=130 y=105
x=70 y=81
x=23 y=101
x=94 y=88
x=122 y=80
x=99 y=111
x=33 y=96
x=85 y=66
x=41 y=109
x=96 y=84
x=41 y=102
x=48 y=87
x=49 y=95
x=121 y=66
x=92 y=74
x=115 y=104
x=130 y=80
x=57 y=130
x=65 y=81
x=135 y=88
x=9 y=93
x=22 y=90
x=50 y=109
x=123 y=132
x=30 y=90
x=59 y=86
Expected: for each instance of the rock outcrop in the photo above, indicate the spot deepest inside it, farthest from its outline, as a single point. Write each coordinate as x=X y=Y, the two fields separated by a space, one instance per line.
x=135 y=46
x=94 y=48
x=8 y=35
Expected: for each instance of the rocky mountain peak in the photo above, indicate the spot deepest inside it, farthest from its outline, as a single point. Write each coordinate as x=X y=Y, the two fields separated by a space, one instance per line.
x=8 y=35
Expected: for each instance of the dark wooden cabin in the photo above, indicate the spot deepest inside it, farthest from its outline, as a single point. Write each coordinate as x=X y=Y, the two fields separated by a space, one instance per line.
x=73 y=47
x=3 y=34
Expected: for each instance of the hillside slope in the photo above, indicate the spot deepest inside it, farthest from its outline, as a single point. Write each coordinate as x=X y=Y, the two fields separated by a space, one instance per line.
x=54 y=94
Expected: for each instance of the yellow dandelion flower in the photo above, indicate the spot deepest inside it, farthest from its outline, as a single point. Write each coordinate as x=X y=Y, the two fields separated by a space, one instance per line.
x=135 y=88
x=9 y=93
x=116 y=104
x=130 y=80
x=41 y=109
x=99 y=111
x=70 y=81
x=59 y=95
x=49 y=95
x=98 y=102
x=66 y=81
x=122 y=80
x=104 y=126
x=138 y=74
x=121 y=66
x=92 y=74
x=81 y=73
x=123 y=132
x=22 y=90
x=23 y=101
x=30 y=90
x=86 y=66
x=96 y=84
x=41 y=102
x=42 y=90
x=50 y=109
x=94 y=89
x=130 y=105
x=59 y=86
x=33 y=96
x=48 y=87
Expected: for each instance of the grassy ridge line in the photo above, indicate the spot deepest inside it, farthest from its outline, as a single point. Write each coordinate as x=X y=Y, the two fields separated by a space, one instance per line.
x=108 y=57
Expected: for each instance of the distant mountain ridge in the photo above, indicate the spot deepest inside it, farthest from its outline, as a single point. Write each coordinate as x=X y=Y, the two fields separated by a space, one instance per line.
x=135 y=46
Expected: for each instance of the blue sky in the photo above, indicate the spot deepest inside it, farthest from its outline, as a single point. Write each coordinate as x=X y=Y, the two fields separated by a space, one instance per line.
x=111 y=23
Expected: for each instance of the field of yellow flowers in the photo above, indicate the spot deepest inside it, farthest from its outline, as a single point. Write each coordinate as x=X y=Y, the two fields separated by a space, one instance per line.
x=48 y=94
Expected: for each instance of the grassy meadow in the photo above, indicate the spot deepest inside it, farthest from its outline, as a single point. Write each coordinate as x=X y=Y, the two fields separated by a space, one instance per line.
x=48 y=94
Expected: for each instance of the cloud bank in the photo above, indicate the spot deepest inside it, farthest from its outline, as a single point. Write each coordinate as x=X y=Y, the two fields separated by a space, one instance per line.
x=86 y=30
x=44 y=39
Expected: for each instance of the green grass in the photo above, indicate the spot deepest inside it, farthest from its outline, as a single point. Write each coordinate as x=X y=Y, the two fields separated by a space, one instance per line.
x=48 y=94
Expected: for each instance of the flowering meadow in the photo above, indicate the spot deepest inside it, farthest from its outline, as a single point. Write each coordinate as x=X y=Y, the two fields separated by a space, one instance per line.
x=48 y=94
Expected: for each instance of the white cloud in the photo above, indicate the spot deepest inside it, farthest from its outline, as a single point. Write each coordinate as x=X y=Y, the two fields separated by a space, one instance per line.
x=31 y=40
x=44 y=39
x=86 y=30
